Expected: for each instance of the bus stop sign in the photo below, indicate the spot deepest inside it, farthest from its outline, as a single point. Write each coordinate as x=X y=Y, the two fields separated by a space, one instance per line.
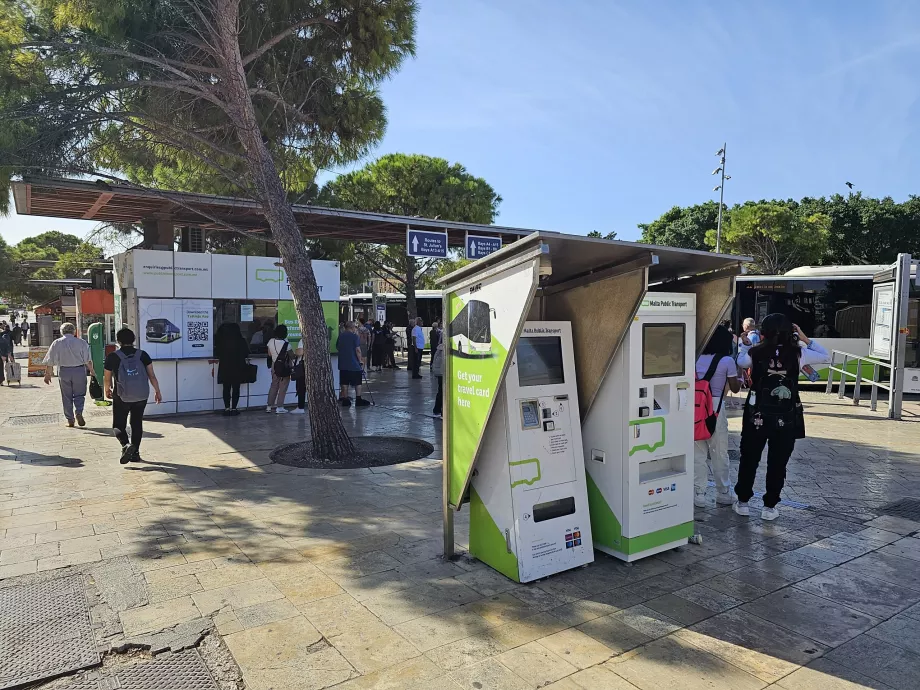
x=426 y=243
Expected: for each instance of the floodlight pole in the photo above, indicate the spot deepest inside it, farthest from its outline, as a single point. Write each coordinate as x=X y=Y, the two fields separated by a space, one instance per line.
x=721 y=198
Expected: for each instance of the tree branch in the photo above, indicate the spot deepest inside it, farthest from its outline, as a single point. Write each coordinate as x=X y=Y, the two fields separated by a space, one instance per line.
x=277 y=38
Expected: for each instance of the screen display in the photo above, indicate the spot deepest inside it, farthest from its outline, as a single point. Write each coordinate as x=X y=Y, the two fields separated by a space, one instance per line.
x=539 y=361
x=663 y=349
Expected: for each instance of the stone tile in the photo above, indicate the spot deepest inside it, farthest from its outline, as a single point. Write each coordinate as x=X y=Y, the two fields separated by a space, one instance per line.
x=28 y=553
x=371 y=646
x=769 y=581
x=874 y=597
x=154 y=617
x=263 y=614
x=89 y=543
x=674 y=664
x=465 y=652
x=885 y=522
x=814 y=617
x=414 y=674
x=536 y=664
x=62 y=534
x=405 y=605
x=360 y=564
x=177 y=571
x=869 y=656
x=824 y=674
x=597 y=677
x=287 y=655
x=680 y=610
x=901 y=631
x=17 y=569
x=893 y=569
x=172 y=588
x=521 y=632
x=77 y=558
x=429 y=571
x=701 y=595
x=876 y=534
x=335 y=615
x=727 y=562
x=849 y=544
x=236 y=596
x=801 y=560
x=441 y=628
x=486 y=581
x=489 y=675
x=753 y=644
x=227 y=623
x=614 y=633
x=576 y=648
x=370 y=586
x=213 y=578
x=654 y=587
x=502 y=608
x=735 y=588
x=905 y=548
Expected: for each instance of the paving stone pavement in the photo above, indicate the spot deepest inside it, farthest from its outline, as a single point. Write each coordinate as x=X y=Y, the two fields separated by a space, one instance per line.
x=317 y=579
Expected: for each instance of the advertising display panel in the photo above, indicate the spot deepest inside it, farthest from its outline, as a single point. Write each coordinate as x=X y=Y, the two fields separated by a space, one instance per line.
x=176 y=328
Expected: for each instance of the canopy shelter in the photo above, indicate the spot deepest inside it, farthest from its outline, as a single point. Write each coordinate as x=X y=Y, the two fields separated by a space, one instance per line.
x=113 y=203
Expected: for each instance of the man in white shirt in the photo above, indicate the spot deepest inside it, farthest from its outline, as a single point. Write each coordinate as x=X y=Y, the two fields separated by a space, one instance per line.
x=418 y=339
x=71 y=355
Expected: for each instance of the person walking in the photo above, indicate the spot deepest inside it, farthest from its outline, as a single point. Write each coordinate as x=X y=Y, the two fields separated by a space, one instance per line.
x=299 y=377
x=279 y=359
x=25 y=331
x=437 y=368
x=6 y=350
x=378 y=347
x=389 y=346
x=773 y=414
x=71 y=356
x=231 y=351
x=418 y=345
x=717 y=366
x=128 y=376
x=17 y=333
x=351 y=363
x=434 y=337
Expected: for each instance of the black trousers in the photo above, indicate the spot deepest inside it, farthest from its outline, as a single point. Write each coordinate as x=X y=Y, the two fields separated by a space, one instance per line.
x=231 y=395
x=439 y=400
x=121 y=412
x=780 y=442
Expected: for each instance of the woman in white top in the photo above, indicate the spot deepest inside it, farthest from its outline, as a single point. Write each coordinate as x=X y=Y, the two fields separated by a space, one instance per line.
x=773 y=414
x=279 y=353
x=718 y=367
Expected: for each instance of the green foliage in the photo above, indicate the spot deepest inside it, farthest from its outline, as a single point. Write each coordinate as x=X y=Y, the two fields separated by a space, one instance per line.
x=409 y=185
x=683 y=227
x=69 y=251
x=612 y=235
x=775 y=235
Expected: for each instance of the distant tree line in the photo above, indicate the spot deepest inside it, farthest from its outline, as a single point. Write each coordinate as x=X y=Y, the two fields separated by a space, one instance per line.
x=71 y=253
x=783 y=234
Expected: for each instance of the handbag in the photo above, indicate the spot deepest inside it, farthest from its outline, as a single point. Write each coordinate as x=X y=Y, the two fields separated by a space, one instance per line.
x=250 y=372
x=95 y=390
x=282 y=367
x=299 y=371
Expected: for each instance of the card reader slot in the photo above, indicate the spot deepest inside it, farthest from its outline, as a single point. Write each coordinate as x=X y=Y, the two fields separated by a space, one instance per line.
x=661 y=468
x=554 y=509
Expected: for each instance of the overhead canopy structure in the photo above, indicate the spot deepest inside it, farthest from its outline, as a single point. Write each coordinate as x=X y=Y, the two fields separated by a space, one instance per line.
x=112 y=203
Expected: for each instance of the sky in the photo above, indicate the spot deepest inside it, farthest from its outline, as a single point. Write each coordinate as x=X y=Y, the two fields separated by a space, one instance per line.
x=604 y=114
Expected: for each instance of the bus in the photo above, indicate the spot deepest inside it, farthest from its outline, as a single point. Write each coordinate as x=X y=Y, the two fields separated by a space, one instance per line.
x=830 y=303
x=162 y=331
x=427 y=304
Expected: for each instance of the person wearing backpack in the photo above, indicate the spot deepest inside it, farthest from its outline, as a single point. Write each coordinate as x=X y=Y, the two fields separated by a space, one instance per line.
x=715 y=371
x=299 y=377
x=773 y=414
x=279 y=361
x=128 y=377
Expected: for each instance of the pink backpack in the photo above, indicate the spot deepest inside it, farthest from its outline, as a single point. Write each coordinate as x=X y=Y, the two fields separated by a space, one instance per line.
x=704 y=417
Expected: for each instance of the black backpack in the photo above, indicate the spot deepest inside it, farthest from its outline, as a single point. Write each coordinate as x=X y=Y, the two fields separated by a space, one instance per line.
x=281 y=366
x=775 y=390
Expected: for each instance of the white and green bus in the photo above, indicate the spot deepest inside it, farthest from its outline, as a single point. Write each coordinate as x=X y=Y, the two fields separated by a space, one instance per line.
x=830 y=303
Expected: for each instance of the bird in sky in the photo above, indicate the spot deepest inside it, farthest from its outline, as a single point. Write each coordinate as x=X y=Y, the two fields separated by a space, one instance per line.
x=849 y=184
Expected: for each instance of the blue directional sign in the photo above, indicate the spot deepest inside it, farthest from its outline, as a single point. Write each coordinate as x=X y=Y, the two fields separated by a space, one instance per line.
x=426 y=243
x=478 y=246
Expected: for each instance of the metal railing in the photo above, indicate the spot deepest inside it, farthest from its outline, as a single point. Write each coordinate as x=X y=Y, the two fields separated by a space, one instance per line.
x=849 y=358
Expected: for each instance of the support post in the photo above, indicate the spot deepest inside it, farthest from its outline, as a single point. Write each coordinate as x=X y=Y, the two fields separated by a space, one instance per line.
x=447 y=509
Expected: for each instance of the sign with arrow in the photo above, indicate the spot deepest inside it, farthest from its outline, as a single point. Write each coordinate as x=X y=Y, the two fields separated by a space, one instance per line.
x=426 y=243
x=478 y=246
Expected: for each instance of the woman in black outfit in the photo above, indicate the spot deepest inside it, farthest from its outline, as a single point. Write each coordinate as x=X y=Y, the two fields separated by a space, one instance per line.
x=231 y=351
x=378 y=347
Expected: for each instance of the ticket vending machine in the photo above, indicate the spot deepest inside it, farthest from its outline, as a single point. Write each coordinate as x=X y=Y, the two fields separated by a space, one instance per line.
x=638 y=434
x=528 y=501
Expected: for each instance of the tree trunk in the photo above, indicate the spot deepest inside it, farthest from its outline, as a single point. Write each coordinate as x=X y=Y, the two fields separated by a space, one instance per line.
x=409 y=288
x=330 y=440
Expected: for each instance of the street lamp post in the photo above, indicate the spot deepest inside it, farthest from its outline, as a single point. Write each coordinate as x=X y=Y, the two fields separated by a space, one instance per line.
x=720 y=188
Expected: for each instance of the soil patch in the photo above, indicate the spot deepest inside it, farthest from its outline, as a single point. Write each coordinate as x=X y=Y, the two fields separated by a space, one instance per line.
x=372 y=451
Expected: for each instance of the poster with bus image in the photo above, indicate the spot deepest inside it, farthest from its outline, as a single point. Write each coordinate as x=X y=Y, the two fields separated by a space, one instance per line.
x=483 y=321
x=176 y=328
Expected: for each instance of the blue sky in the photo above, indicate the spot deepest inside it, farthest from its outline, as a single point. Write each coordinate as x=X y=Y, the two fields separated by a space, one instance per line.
x=605 y=114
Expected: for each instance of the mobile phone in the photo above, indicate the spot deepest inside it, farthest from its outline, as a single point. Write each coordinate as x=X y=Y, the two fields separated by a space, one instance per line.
x=810 y=373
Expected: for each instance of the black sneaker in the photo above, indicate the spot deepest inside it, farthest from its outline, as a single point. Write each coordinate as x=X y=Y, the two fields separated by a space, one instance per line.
x=361 y=402
x=127 y=453
x=345 y=402
x=136 y=454
x=234 y=412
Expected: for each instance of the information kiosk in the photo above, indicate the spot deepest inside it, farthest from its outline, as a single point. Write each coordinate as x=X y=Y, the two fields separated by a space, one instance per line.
x=638 y=436
x=529 y=483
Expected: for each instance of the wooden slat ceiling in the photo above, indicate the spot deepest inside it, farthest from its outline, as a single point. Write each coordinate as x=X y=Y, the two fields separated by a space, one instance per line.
x=77 y=199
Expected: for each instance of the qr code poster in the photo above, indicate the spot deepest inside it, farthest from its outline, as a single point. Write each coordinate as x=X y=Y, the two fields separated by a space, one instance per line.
x=176 y=328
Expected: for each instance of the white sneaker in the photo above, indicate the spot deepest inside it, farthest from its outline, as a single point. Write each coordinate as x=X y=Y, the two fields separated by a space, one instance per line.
x=281 y=410
x=298 y=411
x=699 y=498
x=268 y=408
x=724 y=499
x=741 y=508
x=769 y=513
